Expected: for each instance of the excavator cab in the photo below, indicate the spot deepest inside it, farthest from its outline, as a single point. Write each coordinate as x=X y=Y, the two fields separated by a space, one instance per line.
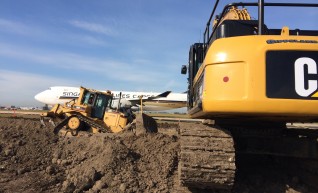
x=196 y=56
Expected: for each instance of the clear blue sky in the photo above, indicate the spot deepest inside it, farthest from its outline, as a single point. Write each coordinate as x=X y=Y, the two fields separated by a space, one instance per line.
x=133 y=45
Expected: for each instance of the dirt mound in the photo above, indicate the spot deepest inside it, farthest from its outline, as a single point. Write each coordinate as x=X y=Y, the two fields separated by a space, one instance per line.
x=32 y=159
x=123 y=162
x=39 y=161
x=25 y=155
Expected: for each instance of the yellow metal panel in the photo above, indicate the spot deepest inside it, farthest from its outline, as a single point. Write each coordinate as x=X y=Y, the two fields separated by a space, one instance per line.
x=225 y=81
x=235 y=78
x=115 y=121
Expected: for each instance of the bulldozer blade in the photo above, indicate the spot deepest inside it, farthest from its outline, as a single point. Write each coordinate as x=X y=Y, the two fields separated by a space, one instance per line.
x=150 y=123
x=145 y=123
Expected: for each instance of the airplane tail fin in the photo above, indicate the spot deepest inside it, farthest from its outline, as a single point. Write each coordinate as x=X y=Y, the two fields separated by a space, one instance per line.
x=162 y=95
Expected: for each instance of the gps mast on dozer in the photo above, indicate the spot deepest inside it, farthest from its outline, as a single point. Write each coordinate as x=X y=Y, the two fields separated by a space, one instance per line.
x=251 y=81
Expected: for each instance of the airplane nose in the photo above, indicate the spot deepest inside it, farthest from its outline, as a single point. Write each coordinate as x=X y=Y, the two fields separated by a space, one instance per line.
x=39 y=97
x=36 y=97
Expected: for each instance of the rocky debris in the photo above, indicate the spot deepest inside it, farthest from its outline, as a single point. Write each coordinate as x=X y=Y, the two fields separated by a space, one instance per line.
x=33 y=159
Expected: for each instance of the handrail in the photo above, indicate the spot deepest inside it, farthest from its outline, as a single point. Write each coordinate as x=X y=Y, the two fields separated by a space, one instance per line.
x=208 y=37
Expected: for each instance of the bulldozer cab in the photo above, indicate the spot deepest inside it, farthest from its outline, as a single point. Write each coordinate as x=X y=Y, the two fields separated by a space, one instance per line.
x=98 y=102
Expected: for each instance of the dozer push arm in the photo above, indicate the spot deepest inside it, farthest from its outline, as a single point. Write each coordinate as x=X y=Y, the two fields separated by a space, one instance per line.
x=56 y=111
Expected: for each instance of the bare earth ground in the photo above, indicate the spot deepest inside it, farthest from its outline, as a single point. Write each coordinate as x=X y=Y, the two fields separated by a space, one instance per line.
x=33 y=159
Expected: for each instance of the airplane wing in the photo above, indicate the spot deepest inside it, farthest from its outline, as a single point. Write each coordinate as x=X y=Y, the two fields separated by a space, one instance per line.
x=135 y=102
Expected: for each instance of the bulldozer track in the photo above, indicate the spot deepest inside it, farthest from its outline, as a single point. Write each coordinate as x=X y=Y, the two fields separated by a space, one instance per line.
x=92 y=123
x=84 y=119
x=207 y=158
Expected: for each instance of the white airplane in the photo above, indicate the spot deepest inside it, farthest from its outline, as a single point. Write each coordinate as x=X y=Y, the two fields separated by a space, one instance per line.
x=152 y=101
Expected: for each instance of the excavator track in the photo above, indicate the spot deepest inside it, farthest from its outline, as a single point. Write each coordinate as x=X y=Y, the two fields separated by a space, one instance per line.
x=207 y=158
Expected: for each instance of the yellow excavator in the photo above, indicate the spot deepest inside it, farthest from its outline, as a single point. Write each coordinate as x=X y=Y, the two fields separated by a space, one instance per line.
x=92 y=112
x=250 y=81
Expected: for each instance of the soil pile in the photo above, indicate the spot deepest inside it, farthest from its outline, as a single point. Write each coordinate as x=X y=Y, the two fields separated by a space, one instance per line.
x=122 y=162
x=33 y=159
x=25 y=156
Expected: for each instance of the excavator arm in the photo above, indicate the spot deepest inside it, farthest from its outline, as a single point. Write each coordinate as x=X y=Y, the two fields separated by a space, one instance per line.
x=233 y=13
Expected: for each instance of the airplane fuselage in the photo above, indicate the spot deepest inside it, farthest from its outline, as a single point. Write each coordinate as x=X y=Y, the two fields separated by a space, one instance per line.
x=61 y=94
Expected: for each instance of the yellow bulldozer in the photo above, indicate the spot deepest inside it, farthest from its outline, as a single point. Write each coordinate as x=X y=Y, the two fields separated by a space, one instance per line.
x=251 y=81
x=92 y=112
